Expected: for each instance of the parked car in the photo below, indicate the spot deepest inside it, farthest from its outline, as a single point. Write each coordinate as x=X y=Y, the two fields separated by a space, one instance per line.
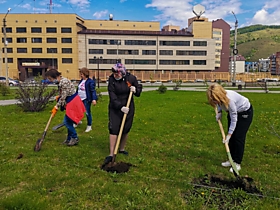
x=46 y=81
x=12 y=82
x=199 y=80
x=158 y=82
x=147 y=81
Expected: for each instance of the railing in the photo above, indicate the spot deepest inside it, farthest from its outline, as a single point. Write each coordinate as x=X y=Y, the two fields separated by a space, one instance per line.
x=187 y=77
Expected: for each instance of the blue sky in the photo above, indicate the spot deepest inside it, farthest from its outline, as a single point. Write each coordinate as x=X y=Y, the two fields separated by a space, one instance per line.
x=175 y=12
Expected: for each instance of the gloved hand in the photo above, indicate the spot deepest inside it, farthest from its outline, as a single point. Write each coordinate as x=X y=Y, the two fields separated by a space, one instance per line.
x=227 y=139
x=218 y=116
x=133 y=89
x=125 y=109
x=57 y=98
x=54 y=110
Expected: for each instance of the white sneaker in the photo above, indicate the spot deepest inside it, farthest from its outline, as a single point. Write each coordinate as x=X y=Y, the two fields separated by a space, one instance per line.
x=226 y=164
x=75 y=125
x=88 y=129
x=238 y=167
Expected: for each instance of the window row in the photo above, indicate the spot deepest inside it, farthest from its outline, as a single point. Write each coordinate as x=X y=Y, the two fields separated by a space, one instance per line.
x=37 y=40
x=37 y=30
x=148 y=52
x=63 y=60
x=145 y=42
x=39 y=50
x=150 y=62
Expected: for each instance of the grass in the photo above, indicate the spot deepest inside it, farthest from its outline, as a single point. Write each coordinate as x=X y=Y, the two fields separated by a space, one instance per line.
x=174 y=139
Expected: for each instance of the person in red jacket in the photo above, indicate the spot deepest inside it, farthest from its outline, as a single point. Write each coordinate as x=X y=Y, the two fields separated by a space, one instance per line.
x=70 y=101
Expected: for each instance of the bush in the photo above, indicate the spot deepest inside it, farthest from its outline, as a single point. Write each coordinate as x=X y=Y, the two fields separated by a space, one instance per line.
x=99 y=94
x=162 y=89
x=178 y=84
x=35 y=97
x=5 y=90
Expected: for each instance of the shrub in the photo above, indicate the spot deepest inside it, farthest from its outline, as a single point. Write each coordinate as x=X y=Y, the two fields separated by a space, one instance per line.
x=34 y=98
x=178 y=84
x=5 y=90
x=162 y=89
x=99 y=94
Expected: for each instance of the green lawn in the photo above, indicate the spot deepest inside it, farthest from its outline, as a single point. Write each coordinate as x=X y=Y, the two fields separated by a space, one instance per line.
x=174 y=140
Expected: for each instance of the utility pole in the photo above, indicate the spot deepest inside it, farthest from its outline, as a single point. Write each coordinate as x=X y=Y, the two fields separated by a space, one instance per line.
x=235 y=51
x=5 y=46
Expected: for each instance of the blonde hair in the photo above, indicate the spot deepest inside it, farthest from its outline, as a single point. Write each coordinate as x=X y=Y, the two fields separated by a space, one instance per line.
x=217 y=94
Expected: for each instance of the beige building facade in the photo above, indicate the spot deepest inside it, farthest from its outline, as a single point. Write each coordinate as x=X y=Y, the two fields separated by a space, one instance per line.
x=38 y=42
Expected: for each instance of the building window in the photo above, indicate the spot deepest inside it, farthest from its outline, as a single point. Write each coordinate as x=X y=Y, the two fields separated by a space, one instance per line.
x=9 y=40
x=149 y=52
x=105 y=41
x=66 y=60
x=66 y=30
x=21 y=50
x=51 y=50
x=191 y=52
x=174 y=43
x=36 y=30
x=142 y=62
x=140 y=42
x=51 y=30
x=122 y=52
x=51 y=40
x=36 y=40
x=67 y=50
x=95 y=51
x=21 y=30
x=174 y=62
x=21 y=40
x=199 y=43
x=36 y=50
x=104 y=61
x=10 y=60
x=166 y=52
x=66 y=40
x=199 y=62
x=8 y=30
x=9 y=50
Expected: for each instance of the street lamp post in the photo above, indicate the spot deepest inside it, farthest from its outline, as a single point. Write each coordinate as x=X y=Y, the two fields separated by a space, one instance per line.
x=235 y=51
x=5 y=46
x=98 y=59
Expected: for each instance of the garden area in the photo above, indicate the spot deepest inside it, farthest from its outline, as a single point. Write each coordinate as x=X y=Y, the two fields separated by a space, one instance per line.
x=175 y=152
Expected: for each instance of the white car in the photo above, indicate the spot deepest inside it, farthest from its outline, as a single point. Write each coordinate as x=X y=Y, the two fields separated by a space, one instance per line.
x=12 y=82
x=158 y=82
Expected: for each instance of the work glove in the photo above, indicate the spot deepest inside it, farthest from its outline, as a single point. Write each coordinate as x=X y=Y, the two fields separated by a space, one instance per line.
x=218 y=116
x=227 y=139
x=125 y=109
x=133 y=89
x=54 y=110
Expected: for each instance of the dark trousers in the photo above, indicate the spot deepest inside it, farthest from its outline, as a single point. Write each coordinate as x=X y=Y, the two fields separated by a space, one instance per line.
x=237 y=140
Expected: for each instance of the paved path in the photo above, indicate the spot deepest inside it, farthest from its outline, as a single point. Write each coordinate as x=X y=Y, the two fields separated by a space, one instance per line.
x=201 y=89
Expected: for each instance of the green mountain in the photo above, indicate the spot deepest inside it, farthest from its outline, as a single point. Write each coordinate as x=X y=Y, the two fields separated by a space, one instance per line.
x=257 y=41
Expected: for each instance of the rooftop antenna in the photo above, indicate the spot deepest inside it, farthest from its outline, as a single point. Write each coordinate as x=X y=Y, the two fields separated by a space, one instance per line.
x=198 y=10
x=50 y=6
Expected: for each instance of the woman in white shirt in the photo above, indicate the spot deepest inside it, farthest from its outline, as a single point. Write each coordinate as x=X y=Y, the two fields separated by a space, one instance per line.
x=240 y=116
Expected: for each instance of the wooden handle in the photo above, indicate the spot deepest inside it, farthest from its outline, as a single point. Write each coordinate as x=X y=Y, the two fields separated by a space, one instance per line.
x=122 y=125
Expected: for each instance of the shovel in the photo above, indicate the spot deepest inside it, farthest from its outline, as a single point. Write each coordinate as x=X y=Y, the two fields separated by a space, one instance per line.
x=235 y=171
x=121 y=129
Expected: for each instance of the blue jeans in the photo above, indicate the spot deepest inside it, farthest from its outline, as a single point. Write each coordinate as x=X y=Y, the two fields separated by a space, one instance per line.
x=88 y=112
x=71 y=130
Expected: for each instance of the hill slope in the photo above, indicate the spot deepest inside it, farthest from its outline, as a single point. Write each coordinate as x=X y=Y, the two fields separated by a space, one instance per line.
x=255 y=42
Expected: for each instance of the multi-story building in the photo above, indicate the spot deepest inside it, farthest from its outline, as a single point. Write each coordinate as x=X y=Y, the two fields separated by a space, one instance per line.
x=37 y=42
x=275 y=64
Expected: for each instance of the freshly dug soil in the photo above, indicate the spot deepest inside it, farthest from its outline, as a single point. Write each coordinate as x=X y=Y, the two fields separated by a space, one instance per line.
x=245 y=183
x=120 y=167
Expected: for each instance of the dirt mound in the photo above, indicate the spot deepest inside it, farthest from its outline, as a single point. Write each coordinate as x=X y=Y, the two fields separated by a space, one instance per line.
x=120 y=167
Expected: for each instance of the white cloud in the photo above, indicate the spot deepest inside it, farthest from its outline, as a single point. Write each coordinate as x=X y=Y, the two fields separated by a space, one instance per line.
x=26 y=6
x=122 y=1
x=81 y=4
x=268 y=15
x=177 y=12
x=2 y=1
x=100 y=14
